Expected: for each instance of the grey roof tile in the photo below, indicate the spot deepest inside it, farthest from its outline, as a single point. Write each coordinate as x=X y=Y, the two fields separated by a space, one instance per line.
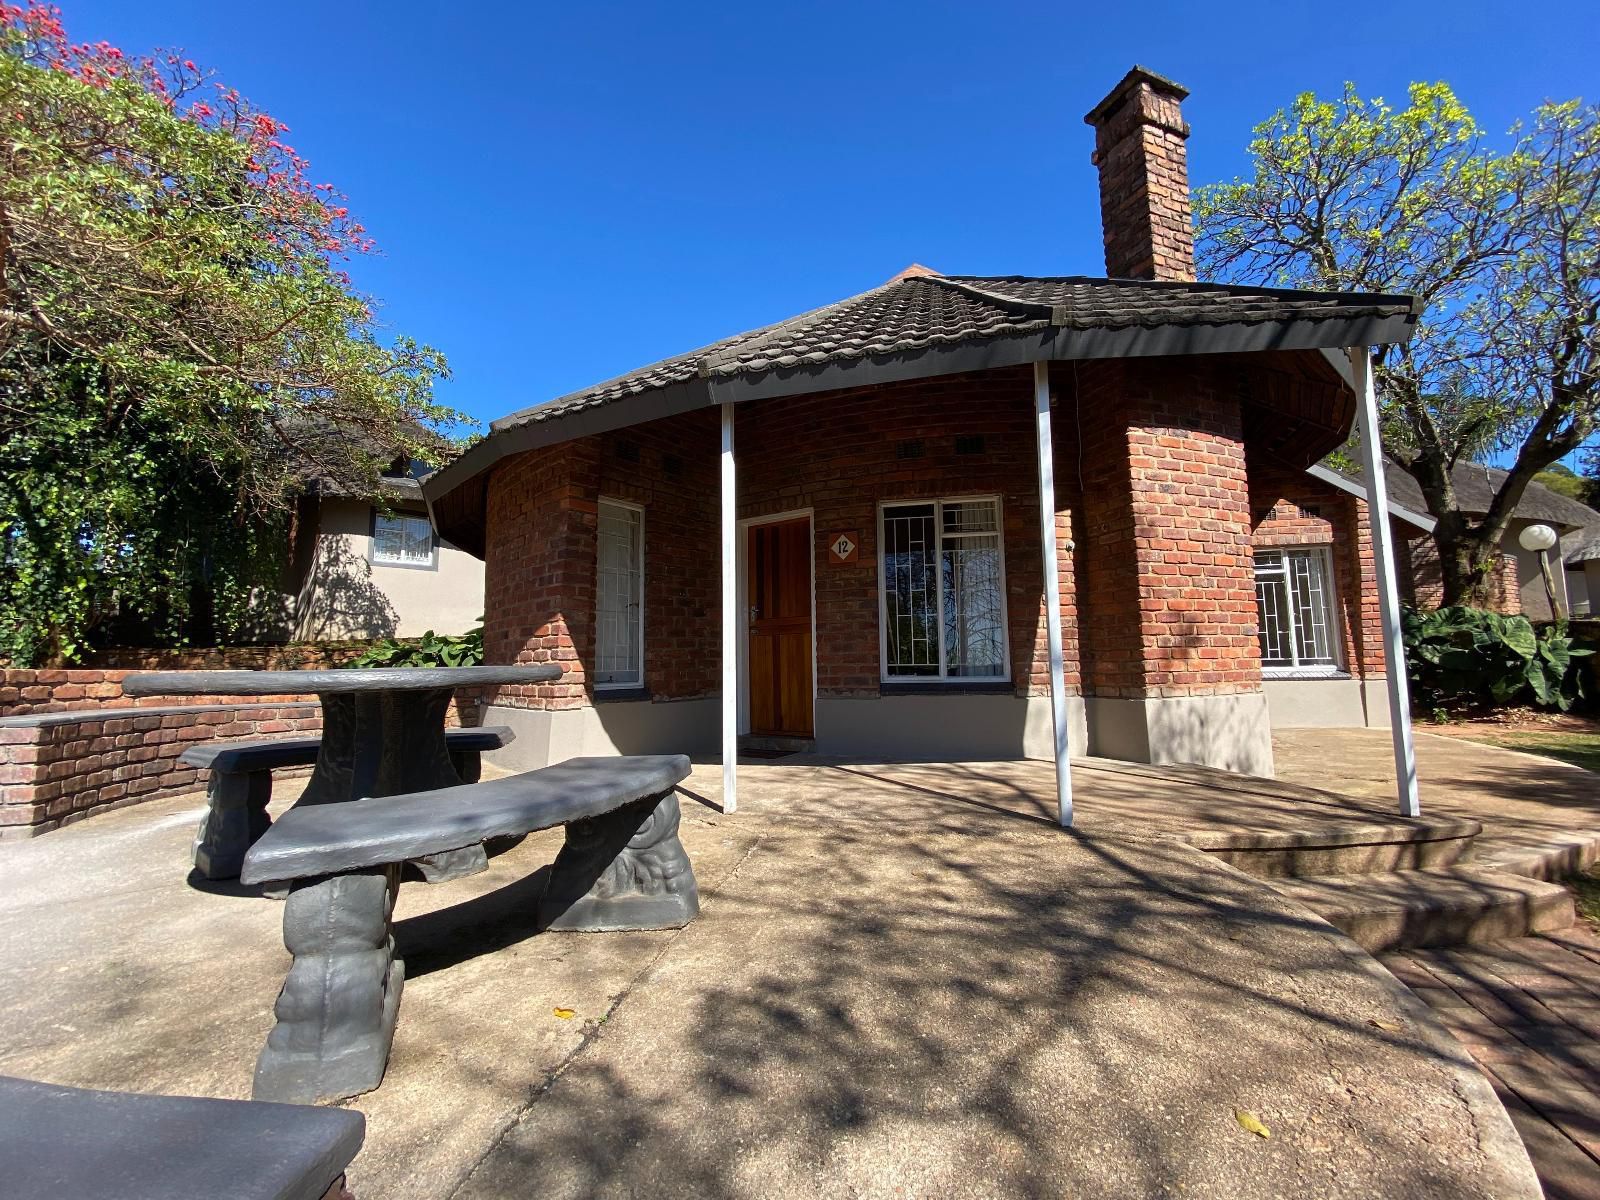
x=915 y=312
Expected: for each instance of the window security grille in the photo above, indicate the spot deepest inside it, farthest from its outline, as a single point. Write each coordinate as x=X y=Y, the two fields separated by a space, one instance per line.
x=619 y=631
x=1294 y=599
x=943 y=581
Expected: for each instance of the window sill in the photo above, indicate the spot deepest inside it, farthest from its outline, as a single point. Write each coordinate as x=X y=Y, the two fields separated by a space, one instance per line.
x=616 y=695
x=954 y=687
x=1304 y=673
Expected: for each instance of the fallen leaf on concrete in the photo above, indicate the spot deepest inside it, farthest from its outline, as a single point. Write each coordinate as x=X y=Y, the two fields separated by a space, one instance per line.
x=1251 y=1123
x=566 y=1014
x=1387 y=1026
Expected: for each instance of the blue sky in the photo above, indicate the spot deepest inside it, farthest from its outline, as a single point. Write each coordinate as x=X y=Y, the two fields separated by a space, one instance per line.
x=563 y=193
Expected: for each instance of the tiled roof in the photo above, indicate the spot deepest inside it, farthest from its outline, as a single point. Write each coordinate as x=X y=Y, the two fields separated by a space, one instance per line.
x=915 y=312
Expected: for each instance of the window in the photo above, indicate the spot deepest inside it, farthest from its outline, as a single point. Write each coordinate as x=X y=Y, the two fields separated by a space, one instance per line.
x=943 y=591
x=619 y=632
x=402 y=540
x=1294 y=597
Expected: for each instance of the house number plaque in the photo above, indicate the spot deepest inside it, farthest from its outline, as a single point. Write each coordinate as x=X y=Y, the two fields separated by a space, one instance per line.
x=844 y=547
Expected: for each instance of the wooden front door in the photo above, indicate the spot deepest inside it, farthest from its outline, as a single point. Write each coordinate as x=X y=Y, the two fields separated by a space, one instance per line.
x=778 y=559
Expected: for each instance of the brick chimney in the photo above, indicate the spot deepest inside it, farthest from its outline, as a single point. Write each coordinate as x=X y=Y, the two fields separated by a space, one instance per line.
x=1144 y=178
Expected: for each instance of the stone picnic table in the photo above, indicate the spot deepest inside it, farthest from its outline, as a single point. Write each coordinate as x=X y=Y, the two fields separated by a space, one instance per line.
x=383 y=729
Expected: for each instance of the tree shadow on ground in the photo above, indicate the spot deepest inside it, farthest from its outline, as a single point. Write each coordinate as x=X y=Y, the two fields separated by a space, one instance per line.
x=1000 y=1008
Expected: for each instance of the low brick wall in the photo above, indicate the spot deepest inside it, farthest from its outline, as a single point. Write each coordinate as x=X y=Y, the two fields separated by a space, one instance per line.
x=23 y=692
x=61 y=764
x=296 y=656
x=59 y=767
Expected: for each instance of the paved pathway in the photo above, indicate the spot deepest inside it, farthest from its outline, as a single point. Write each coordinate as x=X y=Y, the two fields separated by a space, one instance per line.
x=894 y=989
x=1529 y=1011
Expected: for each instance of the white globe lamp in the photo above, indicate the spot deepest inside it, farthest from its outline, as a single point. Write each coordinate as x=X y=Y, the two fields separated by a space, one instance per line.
x=1537 y=538
x=1540 y=540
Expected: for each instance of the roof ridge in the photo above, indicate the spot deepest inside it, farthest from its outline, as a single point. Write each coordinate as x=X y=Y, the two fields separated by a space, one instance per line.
x=1056 y=314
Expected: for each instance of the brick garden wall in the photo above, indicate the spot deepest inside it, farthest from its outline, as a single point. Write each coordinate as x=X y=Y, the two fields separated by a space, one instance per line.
x=28 y=691
x=72 y=744
x=60 y=767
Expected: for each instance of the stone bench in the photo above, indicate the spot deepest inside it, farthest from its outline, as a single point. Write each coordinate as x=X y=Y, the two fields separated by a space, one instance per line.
x=240 y=787
x=90 y=1145
x=621 y=867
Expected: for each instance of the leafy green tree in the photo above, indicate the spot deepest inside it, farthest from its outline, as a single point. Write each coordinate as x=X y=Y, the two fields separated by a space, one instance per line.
x=180 y=346
x=1502 y=248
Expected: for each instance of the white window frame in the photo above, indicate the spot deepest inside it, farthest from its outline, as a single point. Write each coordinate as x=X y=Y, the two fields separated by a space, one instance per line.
x=378 y=560
x=941 y=679
x=1295 y=669
x=617 y=685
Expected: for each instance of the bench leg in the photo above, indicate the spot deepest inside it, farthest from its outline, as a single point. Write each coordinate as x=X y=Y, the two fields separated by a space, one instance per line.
x=337 y=1010
x=624 y=870
x=236 y=815
x=468 y=765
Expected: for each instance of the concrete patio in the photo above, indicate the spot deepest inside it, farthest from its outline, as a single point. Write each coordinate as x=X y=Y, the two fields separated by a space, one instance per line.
x=905 y=981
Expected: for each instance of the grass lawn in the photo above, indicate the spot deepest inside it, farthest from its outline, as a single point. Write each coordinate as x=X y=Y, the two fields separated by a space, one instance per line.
x=1586 y=891
x=1570 y=739
x=1579 y=749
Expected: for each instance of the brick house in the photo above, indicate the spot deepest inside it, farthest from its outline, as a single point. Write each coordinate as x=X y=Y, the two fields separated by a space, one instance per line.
x=871 y=472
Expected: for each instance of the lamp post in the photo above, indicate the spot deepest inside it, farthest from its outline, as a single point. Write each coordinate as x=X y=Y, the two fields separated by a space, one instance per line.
x=1541 y=539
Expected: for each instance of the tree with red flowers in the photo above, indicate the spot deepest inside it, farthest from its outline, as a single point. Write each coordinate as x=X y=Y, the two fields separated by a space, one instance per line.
x=181 y=346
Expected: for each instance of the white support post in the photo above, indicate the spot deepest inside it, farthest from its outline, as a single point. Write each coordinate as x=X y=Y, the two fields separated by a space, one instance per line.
x=730 y=621
x=1405 y=756
x=1052 y=590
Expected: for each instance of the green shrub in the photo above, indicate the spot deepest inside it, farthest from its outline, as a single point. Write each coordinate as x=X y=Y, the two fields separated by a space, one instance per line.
x=430 y=650
x=1470 y=657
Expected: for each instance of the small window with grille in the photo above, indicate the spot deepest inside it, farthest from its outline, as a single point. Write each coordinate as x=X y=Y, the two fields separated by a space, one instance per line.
x=402 y=540
x=1294 y=596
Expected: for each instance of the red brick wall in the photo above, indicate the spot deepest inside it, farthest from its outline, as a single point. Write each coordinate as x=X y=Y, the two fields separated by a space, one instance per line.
x=29 y=691
x=844 y=453
x=541 y=549
x=539 y=577
x=1169 y=599
x=1279 y=502
x=1157 y=499
x=59 y=768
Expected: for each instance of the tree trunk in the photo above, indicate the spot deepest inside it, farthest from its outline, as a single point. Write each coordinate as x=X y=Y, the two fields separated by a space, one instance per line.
x=1468 y=557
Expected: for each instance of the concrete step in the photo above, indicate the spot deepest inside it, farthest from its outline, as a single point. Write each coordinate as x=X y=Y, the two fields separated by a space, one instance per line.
x=763 y=745
x=1341 y=847
x=1445 y=906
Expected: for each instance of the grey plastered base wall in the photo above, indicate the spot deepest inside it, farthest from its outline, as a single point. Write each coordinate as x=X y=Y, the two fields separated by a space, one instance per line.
x=546 y=736
x=950 y=728
x=1232 y=732
x=926 y=728
x=1327 y=703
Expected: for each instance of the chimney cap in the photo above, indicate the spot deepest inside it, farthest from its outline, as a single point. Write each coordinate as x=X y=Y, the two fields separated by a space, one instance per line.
x=1114 y=98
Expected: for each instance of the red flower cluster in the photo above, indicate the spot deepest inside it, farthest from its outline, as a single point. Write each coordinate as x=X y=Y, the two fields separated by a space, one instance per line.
x=298 y=214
